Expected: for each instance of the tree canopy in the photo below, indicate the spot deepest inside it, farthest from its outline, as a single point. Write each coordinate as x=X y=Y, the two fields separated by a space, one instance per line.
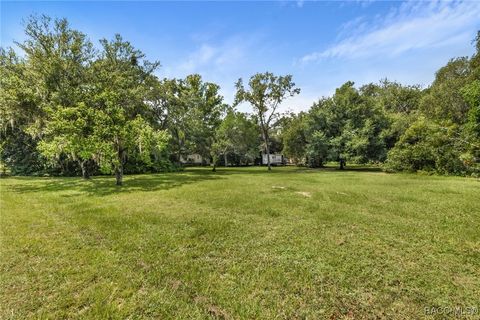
x=70 y=107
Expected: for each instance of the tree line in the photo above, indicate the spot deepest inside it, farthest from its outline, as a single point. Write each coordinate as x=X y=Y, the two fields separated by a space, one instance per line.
x=404 y=128
x=71 y=108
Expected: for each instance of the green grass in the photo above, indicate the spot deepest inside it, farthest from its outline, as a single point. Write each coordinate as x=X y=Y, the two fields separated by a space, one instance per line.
x=239 y=243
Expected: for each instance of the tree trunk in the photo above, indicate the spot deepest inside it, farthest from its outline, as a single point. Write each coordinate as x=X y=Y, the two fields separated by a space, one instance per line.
x=85 y=171
x=268 y=158
x=119 y=168
x=119 y=174
x=267 y=148
x=214 y=167
x=225 y=158
x=178 y=158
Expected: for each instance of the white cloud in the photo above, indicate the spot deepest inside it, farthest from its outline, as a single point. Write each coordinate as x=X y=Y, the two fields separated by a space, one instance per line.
x=300 y=102
x=200 y=57
x=412 y=26
x=217 y=56
x=219 y=60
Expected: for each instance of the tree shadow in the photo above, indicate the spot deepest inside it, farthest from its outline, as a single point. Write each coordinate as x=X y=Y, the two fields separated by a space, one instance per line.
x=105 y=185
x=352 y=169
x=253 y=170
x=363 y=169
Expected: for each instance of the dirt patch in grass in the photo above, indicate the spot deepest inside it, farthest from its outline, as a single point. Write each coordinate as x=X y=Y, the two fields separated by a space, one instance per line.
x=304 y=193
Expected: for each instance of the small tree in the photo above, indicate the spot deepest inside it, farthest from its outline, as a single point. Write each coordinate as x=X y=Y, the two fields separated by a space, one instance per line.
x=266 y=92
x=236 y=135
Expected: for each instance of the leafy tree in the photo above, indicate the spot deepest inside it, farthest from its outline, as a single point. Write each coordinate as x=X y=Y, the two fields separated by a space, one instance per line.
x=444 y=100
x=70 y=132
x=317 y=150
x=394 y=97
x=18 y=110
x=427 y=146
x=295 y=138
x=471 y=94
x=123 y=81
x=448 y=142
x=265 y=93
x=206 y=108
x=236 y=136
x=225 y=137
x=19 y=153
x=169 y=111
x=352 y=125
x=55 y=59
x=191 y=111
x=18 y=102
x=471 y=131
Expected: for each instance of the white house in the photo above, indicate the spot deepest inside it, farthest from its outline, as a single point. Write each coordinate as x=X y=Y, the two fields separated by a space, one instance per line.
x=195 y=159
x=275 y=159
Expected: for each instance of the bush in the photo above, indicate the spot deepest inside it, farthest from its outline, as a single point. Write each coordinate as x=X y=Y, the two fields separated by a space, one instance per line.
x=428 y=146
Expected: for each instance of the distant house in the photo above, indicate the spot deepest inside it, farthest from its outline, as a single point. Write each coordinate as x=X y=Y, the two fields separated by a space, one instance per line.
x=194 y=159
x=275 y=159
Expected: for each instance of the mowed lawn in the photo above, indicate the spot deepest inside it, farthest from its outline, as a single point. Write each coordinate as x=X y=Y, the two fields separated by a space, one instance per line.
x=241 y=243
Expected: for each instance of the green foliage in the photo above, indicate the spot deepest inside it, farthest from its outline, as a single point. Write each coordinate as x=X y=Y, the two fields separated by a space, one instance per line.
x=68 y=131
x=351 y=127
x=388 y=122
x=104 y=109
x=19 y=153
x=265 y=93
x=317 y=150
x=449 y=141
x=394 y=97
x=471 y=94
x=428 y=146
x=191 y=110
x=86 y=106
x=294 y=139
x=236 y=138
x=444 y=99
x=471 y=131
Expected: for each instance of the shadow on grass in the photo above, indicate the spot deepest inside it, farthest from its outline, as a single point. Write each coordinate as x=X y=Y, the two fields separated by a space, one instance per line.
x=286 y=170
x=353 y=169
x=105 y=185
x=290 y=169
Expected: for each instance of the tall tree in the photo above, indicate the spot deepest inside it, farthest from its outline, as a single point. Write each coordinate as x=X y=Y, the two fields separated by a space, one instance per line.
x=265 y=93
x=205 y=107
x=18 y=110
x=444 y=100
x=56 y=60
x=123 y=80
x=191 y=110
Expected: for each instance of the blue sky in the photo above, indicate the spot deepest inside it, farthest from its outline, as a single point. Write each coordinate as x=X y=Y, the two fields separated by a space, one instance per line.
x=322 y=44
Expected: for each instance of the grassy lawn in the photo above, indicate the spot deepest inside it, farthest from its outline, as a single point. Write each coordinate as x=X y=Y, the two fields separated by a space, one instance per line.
x=239 y=243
